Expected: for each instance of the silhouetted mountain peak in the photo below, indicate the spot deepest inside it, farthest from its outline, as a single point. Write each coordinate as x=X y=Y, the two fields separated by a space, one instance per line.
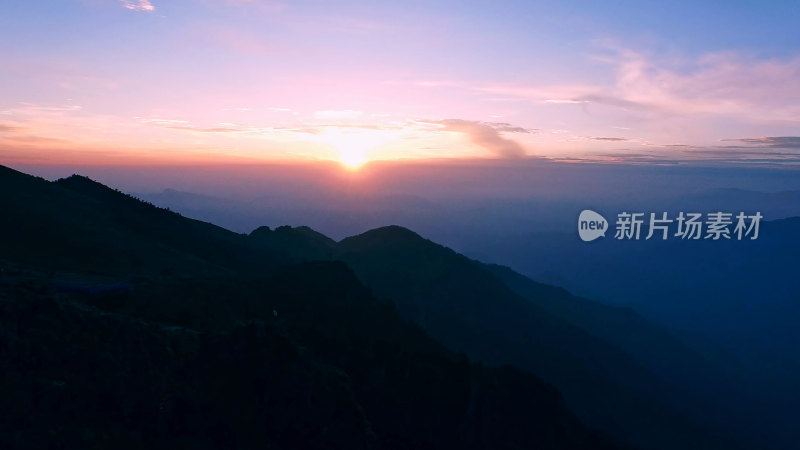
x=82 y=183
x=77 y=178
x=306 y=232
x=98 y=191
x=261 y=231
x=388 y=236
x=292 y=233
x=302 y=243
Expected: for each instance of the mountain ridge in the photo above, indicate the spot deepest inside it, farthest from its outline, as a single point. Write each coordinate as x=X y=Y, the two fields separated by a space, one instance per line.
x=426 y=283
x=417 y=265
x=238 y=347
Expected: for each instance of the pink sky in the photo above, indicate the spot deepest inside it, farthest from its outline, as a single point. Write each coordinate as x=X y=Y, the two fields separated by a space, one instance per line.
x=120 y=82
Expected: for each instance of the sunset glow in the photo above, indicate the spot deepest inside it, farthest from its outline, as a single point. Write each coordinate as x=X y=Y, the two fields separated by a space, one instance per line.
x=273 y=81
x=416 y=224
x=352 y=145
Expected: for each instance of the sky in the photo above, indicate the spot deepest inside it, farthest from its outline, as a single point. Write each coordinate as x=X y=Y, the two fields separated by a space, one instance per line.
x=216 y=81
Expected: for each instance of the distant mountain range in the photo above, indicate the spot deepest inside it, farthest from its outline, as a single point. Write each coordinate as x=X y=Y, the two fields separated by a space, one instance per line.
x=736 y=303
x=597 y=355
x=131 y=326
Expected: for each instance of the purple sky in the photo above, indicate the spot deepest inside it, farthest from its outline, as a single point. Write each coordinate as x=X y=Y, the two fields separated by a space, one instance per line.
x=138 y=81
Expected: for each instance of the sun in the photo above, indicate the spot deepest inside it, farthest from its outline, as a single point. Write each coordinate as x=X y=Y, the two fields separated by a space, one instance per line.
x=352 y=160
x=352 y=144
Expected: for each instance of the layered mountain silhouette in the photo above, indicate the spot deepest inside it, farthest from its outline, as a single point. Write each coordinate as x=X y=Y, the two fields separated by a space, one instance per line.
x=618 y=372
x=734 y=302
x=131 y=326
x=128 y=326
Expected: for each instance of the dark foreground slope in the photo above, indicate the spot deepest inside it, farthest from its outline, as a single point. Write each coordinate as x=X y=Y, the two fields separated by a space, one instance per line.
x=125 y=326
x=79 y=224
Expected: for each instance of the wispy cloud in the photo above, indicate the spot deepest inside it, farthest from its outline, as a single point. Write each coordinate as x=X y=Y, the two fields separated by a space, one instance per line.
x=35 y=110
x=138 y=5
x=611 y=139
x=33 y=140
x=508 y=128
x=165 y=122
x=786 y=142
x=205 y=130
x=185 y=125
x=564 y=101
x=344 y=114
x=323 y=128
x=8 y=128
x=723 y=84
x=486 y=135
